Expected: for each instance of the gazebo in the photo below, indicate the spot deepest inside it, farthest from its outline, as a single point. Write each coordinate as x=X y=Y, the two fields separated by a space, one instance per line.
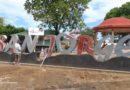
x=114 y=25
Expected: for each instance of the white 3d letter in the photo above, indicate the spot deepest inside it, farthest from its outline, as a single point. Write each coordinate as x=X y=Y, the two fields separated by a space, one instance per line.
x=103 y=54
x=69 y=50
x=31 y=44
x=14 y=39
x=120 y=46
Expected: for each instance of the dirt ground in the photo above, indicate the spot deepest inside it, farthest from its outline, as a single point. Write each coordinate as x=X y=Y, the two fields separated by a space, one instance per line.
x=19 y=77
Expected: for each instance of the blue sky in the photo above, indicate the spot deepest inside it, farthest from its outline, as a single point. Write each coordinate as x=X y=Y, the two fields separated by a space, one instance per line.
x=14 y=13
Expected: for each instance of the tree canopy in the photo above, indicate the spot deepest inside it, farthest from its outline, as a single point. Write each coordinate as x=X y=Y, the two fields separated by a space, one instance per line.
x=9 y=29
x=123 y=11
x=57 y=14
x=88 y=32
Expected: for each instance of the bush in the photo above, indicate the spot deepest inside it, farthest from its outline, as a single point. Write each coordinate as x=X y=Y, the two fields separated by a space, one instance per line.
x=87 y=32
x=9 y=29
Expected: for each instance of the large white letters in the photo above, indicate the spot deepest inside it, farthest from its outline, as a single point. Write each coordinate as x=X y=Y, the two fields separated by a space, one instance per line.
x=102 y=54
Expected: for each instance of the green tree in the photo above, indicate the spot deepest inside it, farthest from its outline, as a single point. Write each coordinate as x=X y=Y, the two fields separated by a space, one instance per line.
x=9 y=29
x=113 y=13
x=49 y=32
x=123 y=11
x=88 y=32
x=1 y=21
x=57 y=14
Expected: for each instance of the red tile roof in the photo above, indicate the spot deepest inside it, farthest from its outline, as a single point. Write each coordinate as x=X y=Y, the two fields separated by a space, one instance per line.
x=117 y=22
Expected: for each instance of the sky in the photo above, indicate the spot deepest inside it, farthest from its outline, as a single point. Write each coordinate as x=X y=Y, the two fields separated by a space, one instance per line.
x=14 y=13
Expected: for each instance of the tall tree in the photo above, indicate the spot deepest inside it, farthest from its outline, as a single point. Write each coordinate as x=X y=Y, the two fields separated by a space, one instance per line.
x=57 y=14
x=123 y=11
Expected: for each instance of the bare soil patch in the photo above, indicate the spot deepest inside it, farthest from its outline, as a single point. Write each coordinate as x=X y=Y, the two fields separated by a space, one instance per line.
x=19 y=77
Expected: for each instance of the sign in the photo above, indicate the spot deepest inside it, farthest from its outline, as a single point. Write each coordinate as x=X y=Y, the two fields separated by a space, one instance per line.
x=35 y=31
x=81 y=44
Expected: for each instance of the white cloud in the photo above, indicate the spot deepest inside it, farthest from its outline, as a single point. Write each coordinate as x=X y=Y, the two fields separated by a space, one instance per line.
x=13 y=11
x=98 y=9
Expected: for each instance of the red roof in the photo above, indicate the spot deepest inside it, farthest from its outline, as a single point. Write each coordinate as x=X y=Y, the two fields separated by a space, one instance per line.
x=117 y=22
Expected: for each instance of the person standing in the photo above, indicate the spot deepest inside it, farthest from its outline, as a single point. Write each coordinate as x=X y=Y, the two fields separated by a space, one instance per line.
x=17 y=52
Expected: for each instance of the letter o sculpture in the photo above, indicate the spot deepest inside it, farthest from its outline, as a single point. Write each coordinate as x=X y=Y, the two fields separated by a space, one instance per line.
x=120 y=47
x=64 y=51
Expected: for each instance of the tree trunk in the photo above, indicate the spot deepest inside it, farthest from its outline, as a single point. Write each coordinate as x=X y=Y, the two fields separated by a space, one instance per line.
x=56 y=29
x=56 y=33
